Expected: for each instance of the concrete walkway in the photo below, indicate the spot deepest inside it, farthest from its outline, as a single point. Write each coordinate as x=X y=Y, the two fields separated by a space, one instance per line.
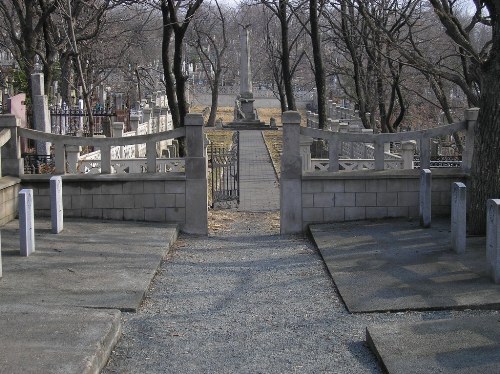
x=60 y=307
x=259 y=190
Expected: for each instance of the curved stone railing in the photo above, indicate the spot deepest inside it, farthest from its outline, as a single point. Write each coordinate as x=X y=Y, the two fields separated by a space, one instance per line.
x=70 y=145
x=410 y=138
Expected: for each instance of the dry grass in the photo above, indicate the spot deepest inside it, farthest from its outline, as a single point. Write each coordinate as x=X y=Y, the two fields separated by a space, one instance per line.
x=265 y=114
x=274 y=144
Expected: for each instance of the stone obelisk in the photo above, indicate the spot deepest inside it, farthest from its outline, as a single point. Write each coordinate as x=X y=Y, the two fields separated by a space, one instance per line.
x=244 y=113
x=246 y=89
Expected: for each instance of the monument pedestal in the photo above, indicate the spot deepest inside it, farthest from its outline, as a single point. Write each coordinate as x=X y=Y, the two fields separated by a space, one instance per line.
x=245 y=116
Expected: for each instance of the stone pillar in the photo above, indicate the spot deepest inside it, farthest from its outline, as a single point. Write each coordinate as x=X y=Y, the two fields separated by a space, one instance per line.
x=245 y=67
x=26 y=222
x=196 y=177
x=117 y=130
x=146 y=117
x=41 y=115
x=291 y=176
x=407 y=152
x=11 y=161
x=425 y=198
x=56 y=204
x=72 y=157
x=471 y=118
x=458 y=217
x=493 y=239
x=305 y=152
x=134 y=122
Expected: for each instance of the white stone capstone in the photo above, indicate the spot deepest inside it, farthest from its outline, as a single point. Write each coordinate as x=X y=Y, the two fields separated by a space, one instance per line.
x=493 y=239
x=26 y=222
x=56 y=204
x=458 y=217
x=425 y=198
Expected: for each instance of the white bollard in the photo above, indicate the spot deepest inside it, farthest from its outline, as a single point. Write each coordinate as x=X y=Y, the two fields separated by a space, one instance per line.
x=493 y=238
x=458 y=217
x=26 y=222
x=56 y=204
x=425 y=202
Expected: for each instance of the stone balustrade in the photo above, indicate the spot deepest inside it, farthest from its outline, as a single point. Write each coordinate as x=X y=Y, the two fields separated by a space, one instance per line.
x=314 y=191
x=147 y=192
x=408 y=140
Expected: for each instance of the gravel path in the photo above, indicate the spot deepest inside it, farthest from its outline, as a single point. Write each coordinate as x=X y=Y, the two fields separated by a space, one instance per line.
x=245 y=300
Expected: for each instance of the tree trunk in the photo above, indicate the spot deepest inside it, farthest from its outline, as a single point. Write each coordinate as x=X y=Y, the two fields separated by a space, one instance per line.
x=215 y=102
x=66 y=77
x=167 y=67
x=485 y=174
x=285 y=57
x=319 y=70
x=180 y=79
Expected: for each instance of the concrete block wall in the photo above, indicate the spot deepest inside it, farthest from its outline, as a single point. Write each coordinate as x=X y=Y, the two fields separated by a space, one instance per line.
x=157 y=198
x=9 y=190
x=349 y=196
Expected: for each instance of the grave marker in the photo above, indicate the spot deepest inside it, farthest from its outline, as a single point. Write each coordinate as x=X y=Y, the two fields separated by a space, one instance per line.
x=458 y=217
x=493 y=238
x=425 y=198
x=26 y=222
x=56 y=204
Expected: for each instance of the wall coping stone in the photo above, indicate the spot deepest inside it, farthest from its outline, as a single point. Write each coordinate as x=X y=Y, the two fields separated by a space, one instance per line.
x=7 y=181
x=382 y=174
x=45 y=178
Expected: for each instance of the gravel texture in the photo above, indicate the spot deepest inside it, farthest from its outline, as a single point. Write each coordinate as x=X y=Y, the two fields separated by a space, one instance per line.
x=245 y=300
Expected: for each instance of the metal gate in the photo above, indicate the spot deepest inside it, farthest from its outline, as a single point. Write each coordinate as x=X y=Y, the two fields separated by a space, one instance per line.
x=225 y=165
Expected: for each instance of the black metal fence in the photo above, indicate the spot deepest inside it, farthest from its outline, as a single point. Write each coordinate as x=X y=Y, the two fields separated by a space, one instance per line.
x=225 y=173
x=38 y=164
x=74 y=121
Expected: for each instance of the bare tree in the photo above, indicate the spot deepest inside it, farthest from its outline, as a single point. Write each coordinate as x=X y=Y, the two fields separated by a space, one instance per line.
x=477 y=78
x=177 y=15
x=211 y=43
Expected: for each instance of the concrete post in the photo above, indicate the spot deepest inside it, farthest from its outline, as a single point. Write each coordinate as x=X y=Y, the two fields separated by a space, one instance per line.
x=493 y=239
x=117 y=132
x=407 y=152
x=1 y=273
x=134 y=122
x=72 y=157
x=291 y=175
x=458 y=217
x=146 y=117
x=425 y=153
x=425 y=198
x=56 y=204
x=117 y=129
x=12 y=163
x=379 y=154
x=26 y=222
x=305 y=152
x=196 y=177
x=471 y=118
x=41 y=115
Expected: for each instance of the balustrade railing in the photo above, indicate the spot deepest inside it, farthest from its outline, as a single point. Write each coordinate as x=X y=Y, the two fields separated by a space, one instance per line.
x=105 y=161
x=340 y=143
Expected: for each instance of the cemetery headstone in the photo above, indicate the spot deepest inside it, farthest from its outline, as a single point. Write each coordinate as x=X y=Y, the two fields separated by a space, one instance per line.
x=56 y=204
x=26 y=222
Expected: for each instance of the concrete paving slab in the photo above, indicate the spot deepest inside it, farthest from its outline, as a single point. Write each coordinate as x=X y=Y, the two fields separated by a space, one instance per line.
x=394 y=265
x=464 y=345
x=98 y=264
x=36 y=339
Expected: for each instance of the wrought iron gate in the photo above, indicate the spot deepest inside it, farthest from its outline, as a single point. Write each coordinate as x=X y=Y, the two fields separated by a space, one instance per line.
x=225 y=165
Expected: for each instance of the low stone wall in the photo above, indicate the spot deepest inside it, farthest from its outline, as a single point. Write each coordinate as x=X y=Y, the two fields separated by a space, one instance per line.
x=349 y=196
x=9 y=188
x=129 y=197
